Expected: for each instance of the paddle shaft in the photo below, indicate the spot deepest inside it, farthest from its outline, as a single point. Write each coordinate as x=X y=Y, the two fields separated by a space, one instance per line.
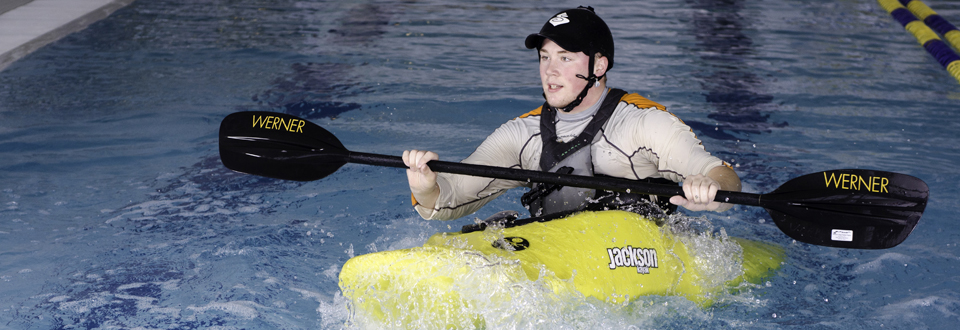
x=849 y=208
x=604 y=183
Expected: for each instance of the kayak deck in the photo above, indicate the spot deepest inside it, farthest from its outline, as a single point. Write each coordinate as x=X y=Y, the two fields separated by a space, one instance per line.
x=613 y=256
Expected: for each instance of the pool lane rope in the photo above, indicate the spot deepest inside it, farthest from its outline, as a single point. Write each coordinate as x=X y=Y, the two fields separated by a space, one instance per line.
x=904 y=10
x=935 y=21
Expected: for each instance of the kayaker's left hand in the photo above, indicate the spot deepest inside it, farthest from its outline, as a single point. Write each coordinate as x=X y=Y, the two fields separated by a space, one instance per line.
x=423 y=181
x=700 y=191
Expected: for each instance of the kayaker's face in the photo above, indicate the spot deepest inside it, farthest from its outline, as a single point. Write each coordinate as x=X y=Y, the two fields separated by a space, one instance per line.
x=558 y=73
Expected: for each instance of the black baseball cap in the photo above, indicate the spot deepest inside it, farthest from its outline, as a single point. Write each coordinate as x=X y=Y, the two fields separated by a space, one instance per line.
x=576 y=30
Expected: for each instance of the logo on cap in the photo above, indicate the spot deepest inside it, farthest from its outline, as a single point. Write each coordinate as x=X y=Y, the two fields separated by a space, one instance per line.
x=561 y=18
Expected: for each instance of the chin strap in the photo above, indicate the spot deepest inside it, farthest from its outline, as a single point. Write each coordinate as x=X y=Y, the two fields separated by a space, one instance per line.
x=591 y=82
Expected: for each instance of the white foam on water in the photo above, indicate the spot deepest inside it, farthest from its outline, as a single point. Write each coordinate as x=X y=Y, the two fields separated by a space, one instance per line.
x=225 y=251
x=349 y=251
x=876 y=265
x=333 y=310
x=173 y=284
x=402 y=233
x=496 y=297
x=85 y=305
x=495 y=294
x=243 y=309
x=719 y=258
x=143 y=303
x=249 y=209
x=332 y=272
x=310 y=294
x=199 y=204
x=917 y=308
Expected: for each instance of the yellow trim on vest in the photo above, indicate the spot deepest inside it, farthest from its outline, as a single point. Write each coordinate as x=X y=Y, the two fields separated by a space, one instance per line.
x=635 y=99
x=535 y=112
x=641 y=102
x=413 y=200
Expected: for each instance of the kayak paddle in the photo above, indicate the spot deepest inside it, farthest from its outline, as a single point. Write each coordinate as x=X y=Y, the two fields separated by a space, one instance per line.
x=848 y=208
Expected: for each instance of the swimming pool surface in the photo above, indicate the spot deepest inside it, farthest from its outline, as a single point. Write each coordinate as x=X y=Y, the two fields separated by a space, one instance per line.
x=116 y=213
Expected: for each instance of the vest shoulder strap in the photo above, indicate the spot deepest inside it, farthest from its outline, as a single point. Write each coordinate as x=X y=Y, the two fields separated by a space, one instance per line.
x=554 y=151
x=633 y=98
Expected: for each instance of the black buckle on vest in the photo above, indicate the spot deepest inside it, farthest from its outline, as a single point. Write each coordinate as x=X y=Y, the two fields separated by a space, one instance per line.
x=541 y=191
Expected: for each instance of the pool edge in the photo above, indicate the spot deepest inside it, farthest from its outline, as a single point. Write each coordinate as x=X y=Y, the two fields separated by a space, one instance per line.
x=48 y=36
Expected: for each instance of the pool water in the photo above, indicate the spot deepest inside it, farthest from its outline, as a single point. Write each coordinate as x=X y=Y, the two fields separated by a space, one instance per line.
x=117 y=214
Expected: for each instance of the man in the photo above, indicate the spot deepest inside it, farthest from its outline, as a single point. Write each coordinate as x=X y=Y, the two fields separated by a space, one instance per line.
x=583 y=128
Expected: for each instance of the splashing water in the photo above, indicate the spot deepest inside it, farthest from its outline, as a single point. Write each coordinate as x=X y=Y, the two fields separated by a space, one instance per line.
x=470 y=289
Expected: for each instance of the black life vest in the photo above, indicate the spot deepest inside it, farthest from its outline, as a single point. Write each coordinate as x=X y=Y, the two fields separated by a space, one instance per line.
x=574 y=157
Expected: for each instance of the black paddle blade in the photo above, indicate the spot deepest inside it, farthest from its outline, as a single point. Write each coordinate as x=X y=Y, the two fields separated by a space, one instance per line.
x=280 y=146
x=861 y=209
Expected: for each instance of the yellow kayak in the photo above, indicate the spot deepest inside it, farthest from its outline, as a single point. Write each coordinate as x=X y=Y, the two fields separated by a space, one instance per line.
x=612 y=256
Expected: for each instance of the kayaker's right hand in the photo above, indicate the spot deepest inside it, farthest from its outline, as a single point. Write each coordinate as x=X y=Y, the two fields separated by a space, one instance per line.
x=422 y=180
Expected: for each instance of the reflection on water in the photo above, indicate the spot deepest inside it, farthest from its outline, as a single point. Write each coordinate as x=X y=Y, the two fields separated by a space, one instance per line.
x=361 y=25
x=735 y=92
x=179 y=230
x=116 y=211
x=308 y=92
x=312 y=90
